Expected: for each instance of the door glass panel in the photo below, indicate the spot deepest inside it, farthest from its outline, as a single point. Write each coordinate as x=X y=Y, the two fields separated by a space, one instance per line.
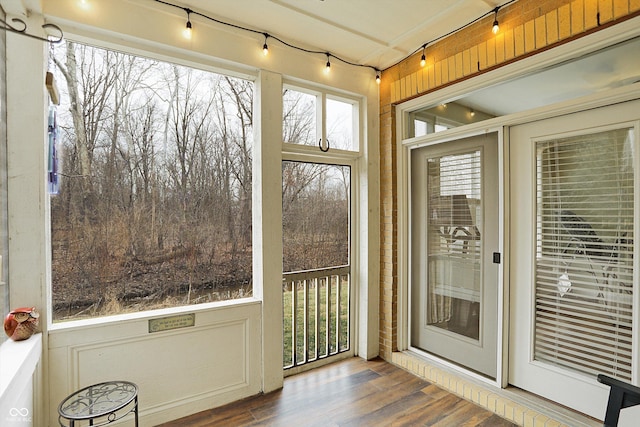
x=584 y=269
x=455 y=216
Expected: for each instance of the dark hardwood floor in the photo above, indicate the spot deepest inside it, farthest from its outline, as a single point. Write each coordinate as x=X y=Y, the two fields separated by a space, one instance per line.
x=353 y=392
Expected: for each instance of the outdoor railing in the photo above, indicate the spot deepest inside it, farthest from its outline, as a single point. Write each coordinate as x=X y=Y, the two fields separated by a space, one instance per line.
x=316 y=314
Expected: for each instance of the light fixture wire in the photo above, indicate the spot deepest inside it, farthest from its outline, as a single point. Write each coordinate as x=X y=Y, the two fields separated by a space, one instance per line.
x=329 y=54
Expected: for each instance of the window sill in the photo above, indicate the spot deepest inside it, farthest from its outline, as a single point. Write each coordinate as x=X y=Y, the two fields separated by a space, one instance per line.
x=18 y=361
x=149 y=314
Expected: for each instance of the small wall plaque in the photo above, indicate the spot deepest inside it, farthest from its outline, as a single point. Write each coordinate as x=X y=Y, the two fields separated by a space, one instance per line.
x=172 y=322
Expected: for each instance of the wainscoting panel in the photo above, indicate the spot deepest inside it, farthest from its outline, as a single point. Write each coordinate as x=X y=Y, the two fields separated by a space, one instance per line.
x=182 y=361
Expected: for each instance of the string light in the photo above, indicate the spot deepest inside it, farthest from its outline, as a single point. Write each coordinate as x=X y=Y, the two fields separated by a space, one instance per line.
x=495 y=27
x=422 y=47
x=265 y=47
x=187 y=33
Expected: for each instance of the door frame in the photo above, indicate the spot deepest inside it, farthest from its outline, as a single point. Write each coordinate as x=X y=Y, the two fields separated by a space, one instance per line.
x=485 y=347
x=350 y=160
x=404 y=244
x=571 y=50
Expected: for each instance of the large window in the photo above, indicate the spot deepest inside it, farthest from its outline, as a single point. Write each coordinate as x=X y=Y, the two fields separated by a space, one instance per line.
x=154 y=207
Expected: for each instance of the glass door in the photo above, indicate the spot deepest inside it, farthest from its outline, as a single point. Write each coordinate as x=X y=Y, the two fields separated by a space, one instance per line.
x=574 y=270
x=454 y=274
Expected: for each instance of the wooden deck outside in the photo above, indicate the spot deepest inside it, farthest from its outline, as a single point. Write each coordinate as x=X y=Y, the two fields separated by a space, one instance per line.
x=353 y=392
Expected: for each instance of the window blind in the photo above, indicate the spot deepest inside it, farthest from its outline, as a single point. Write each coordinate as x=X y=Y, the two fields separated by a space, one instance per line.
x=455 y=220
x=584 y=262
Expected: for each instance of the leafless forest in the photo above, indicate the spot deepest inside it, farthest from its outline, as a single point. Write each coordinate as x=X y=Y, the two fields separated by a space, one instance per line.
x=154 y=207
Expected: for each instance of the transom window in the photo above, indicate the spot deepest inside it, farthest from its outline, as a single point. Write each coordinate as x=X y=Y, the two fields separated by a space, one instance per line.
x=319 y=119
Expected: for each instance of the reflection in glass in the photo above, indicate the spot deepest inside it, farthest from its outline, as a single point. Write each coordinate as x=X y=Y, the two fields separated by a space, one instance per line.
x=442 y=117
x=454 y=249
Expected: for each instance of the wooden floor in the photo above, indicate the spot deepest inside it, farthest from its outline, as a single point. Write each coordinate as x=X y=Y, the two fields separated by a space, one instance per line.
x=353 y=392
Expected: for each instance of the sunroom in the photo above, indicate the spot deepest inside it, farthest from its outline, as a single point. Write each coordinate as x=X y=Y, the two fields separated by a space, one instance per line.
x=204 y=201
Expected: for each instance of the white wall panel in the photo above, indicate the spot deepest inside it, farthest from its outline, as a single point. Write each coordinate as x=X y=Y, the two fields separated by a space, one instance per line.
x=178 y=372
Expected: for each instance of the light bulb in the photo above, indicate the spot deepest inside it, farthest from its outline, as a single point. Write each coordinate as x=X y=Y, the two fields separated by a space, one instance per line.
x=495 y=27
x=423 y=60
x=265 y=49
x=327 y=68
x=378 y=78
x=187 y=31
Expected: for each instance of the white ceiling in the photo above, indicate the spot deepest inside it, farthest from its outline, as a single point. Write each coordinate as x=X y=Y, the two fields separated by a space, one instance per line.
x=378 y=33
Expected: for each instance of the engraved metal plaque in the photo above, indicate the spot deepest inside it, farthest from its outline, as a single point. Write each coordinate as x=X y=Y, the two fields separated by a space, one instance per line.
x=172 y=322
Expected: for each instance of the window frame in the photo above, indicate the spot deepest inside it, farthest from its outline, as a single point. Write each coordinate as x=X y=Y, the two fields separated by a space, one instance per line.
x=190 y=61
x=322 y=95
x=353 y=159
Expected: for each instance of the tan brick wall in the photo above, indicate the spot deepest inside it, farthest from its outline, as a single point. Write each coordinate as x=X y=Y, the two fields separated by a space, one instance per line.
x=526 y=27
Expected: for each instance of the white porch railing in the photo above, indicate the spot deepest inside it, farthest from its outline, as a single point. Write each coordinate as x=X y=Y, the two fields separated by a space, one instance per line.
x=317 y=314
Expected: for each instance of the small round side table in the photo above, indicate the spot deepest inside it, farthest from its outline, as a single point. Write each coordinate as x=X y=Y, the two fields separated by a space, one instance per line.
x=100 y=404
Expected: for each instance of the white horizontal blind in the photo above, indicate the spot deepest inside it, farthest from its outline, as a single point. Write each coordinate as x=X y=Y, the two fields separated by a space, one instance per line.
x=454 y=244
x=584 y=268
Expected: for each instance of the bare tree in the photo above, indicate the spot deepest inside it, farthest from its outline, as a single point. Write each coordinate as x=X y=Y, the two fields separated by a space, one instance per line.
x=89 y=87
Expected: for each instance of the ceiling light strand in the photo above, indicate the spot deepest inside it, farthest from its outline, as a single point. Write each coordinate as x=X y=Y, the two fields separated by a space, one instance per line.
x=329 y=55
x=468 y=24
x=267 y=35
